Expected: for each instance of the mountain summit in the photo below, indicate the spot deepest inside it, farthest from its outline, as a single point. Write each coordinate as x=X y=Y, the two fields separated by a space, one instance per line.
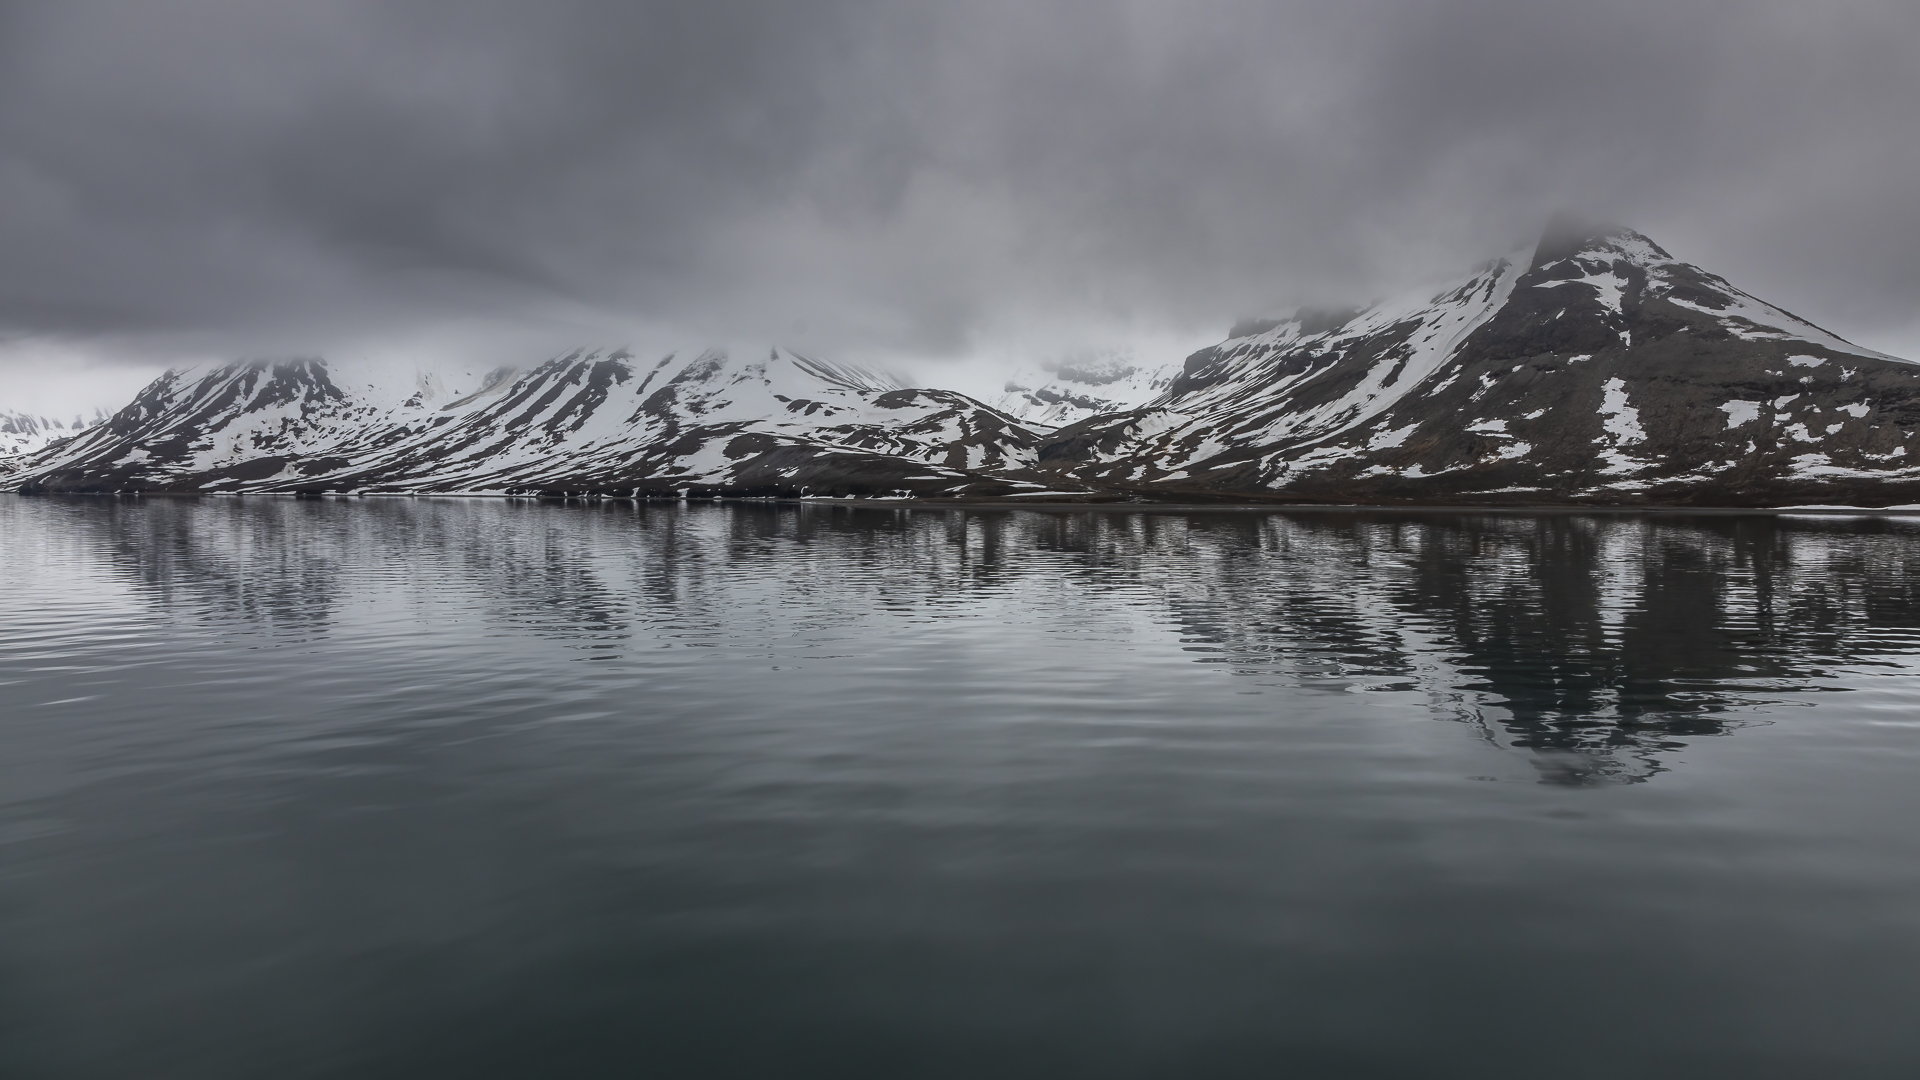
x=1592 y=368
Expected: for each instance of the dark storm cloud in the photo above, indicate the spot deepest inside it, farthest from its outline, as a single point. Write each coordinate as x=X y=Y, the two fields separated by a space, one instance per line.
x=909 y=174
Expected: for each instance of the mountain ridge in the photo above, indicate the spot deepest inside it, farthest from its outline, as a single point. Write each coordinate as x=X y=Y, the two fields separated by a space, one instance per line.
x=1591 y=368
x=589 y=419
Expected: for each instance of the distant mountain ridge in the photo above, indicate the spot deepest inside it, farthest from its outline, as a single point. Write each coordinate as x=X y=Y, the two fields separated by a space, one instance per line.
x=1592 y=368
x=1079 y=388
x=589 y=420
x=23 y=433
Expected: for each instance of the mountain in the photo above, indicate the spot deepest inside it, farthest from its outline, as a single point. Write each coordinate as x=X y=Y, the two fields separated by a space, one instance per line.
x=1592 y=368
x=23 y=433
x=1082 y=387
x=587 y=421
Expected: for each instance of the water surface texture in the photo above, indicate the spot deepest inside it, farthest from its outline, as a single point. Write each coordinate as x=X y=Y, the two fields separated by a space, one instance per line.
x=470 y=788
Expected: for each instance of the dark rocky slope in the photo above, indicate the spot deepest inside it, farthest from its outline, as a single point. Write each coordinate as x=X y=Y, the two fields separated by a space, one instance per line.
x=1594 y=369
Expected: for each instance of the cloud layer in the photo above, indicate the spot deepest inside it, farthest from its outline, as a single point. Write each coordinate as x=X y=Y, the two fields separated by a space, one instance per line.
x=917 y=177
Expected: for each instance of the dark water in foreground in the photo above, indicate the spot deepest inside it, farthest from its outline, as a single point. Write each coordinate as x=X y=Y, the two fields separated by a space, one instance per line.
x=423 y=788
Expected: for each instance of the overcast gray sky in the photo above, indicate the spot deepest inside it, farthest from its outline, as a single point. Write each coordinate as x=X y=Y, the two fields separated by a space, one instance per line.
x=946 y=180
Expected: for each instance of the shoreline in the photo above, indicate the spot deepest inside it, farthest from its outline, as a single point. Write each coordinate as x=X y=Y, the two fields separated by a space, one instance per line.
x=1046 y=507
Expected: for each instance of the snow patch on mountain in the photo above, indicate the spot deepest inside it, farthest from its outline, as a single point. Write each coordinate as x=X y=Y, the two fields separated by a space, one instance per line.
x=1620 y=418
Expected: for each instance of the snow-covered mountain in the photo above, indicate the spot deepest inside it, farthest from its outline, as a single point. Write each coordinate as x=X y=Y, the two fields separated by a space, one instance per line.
x=1592 y=368
x=1078 y=388
x=782 y=423
x=23 y=433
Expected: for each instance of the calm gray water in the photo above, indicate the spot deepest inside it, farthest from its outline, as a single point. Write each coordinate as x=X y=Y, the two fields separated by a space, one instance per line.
x=468 y=788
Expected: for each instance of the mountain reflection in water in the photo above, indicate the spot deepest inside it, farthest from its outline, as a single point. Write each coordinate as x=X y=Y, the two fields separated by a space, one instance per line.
x=1597 y=642
x=413 y=787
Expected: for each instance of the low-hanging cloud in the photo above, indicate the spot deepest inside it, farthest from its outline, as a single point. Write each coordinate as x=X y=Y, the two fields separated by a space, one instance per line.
x=917 y=177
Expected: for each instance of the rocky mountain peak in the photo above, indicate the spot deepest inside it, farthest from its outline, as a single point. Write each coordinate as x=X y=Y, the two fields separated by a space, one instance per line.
x=1595 y=367
x=1569 y=236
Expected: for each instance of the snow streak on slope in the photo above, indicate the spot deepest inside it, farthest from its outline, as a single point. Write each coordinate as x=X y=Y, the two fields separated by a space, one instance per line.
x=1309 y=378
x=1421 y=335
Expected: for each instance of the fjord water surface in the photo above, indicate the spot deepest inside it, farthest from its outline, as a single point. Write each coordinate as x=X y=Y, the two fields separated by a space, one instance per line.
x=437 y=787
